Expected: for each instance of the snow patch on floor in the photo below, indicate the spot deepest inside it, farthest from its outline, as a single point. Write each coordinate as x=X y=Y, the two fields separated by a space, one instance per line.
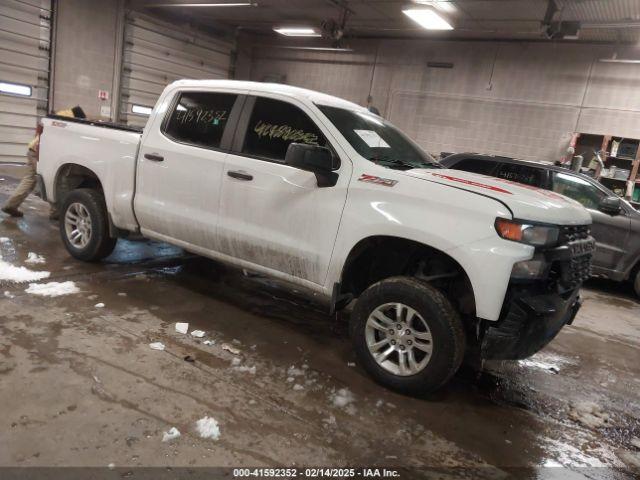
x=52 y=289
x=172 y=434
x=208 y=427
x=589 y=414
x=34 y=258
x=344 y=398
x=12 y=273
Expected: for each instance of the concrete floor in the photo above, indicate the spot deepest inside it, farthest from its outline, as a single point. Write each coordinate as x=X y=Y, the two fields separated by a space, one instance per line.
x=79 y=385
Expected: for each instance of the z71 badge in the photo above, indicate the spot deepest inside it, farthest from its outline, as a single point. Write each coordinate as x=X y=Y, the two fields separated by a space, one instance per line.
x=377 y=180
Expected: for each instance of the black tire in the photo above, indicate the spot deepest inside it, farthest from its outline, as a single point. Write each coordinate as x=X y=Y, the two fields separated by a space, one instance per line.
x=100 y=244
x=636 y=282
x=448 y=337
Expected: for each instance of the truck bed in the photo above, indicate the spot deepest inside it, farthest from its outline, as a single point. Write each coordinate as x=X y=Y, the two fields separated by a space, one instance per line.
x=95 y=123
x=70 y=146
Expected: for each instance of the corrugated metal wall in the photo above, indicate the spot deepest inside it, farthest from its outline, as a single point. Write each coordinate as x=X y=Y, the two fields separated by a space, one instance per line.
x=157 y=53
x=24 y=60
x=506 y=98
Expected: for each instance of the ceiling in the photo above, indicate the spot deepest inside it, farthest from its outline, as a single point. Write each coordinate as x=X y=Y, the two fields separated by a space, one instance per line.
x=601 y=20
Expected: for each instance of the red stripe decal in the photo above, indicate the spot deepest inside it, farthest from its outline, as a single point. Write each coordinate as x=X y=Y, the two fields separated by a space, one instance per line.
x=472 y=183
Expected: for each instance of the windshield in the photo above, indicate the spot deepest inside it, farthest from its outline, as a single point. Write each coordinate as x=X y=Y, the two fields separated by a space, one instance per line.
x=377 y=140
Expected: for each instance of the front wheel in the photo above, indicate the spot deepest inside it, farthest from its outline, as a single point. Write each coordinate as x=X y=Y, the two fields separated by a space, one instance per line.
x=407 y=335
x=84 y=225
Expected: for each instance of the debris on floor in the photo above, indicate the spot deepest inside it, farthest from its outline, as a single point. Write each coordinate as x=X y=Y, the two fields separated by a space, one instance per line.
x=172 y=434
x=9 y=294
x=209 y=342
x=230 y=349
x=197 y=333
x=182 y=327
x=156 y=346
x=34 y=258
x=632 y=459
x=208 y=427
x=15 y=274
x=122 y=294
x=298 y=387
x=189 y=358
x=52 y=289
x=99 y=305
x=589 y=414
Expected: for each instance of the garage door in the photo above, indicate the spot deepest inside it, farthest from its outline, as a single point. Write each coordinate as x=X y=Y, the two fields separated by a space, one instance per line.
x=24 y=73
x=157 y=53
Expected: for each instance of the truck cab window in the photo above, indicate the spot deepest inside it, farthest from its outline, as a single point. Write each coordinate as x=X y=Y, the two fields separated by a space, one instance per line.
x=578 y=189
x=200 y=118
x=274 y=125
x=521 y=174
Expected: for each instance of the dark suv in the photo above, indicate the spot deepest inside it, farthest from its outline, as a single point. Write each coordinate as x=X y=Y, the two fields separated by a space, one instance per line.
x=616 y=224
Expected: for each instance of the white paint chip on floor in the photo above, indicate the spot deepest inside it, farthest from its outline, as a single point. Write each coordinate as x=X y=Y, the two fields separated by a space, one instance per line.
x=99 y=305
x=197 y=333
x=208 y=427
x=52 y=289
x=182 y=327
x=156 y=346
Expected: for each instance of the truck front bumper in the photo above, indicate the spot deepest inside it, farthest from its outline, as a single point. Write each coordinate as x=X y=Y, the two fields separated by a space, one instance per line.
x=528 y=323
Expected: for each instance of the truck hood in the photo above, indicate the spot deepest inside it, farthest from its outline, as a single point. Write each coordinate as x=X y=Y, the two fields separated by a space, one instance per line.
x=526 y=202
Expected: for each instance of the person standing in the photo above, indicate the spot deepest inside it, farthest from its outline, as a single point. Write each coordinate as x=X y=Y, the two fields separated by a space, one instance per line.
x=28 y=182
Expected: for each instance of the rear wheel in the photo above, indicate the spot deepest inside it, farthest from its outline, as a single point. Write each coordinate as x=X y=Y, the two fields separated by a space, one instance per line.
x=84 y=225
x=407 y=335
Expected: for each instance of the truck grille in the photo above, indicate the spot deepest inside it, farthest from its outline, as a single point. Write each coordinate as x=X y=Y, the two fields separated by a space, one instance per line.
x=573 y=233
x=574 y=268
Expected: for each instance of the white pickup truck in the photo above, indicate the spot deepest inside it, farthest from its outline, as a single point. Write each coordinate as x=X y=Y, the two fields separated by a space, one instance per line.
x=319 y=192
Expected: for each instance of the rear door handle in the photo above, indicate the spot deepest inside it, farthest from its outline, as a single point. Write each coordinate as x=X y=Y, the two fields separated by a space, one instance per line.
x=240 y=175
x=154 y=157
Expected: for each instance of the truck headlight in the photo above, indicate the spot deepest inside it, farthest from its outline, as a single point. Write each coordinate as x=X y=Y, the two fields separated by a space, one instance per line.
x=536 y=235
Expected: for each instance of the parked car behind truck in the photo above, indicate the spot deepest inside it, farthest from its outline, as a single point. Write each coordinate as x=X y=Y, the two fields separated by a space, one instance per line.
x=321 y=193
x=616 y=224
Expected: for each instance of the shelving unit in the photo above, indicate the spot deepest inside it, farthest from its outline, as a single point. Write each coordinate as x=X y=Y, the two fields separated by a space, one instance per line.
x=621 y=158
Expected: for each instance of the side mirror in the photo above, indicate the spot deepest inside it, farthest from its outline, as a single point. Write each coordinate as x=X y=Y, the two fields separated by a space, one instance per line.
x=610 y=205
x=313 y=158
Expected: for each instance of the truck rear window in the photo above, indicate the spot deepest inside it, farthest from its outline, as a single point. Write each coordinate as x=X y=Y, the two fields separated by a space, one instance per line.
x=199 y=118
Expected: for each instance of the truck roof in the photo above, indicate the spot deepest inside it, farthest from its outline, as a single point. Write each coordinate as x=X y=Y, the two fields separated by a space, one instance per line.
x=296 y=92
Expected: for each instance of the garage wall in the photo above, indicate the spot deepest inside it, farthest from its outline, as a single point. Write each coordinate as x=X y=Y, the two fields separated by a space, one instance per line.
x=157 y=53
x=504 y=98
x=24 y=60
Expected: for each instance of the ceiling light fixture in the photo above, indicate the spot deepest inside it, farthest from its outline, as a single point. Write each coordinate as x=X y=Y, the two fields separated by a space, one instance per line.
x=444 y=5
x=297 y=31
x=427 y=19
x=217 y=4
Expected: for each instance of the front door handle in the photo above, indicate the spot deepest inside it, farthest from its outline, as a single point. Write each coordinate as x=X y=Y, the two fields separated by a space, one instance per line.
x=240 y=175
x=154 y=157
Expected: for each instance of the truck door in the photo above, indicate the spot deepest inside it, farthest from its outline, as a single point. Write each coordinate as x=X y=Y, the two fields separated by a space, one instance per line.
x=611 y=232
x=271 y=214
x=180 y=166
